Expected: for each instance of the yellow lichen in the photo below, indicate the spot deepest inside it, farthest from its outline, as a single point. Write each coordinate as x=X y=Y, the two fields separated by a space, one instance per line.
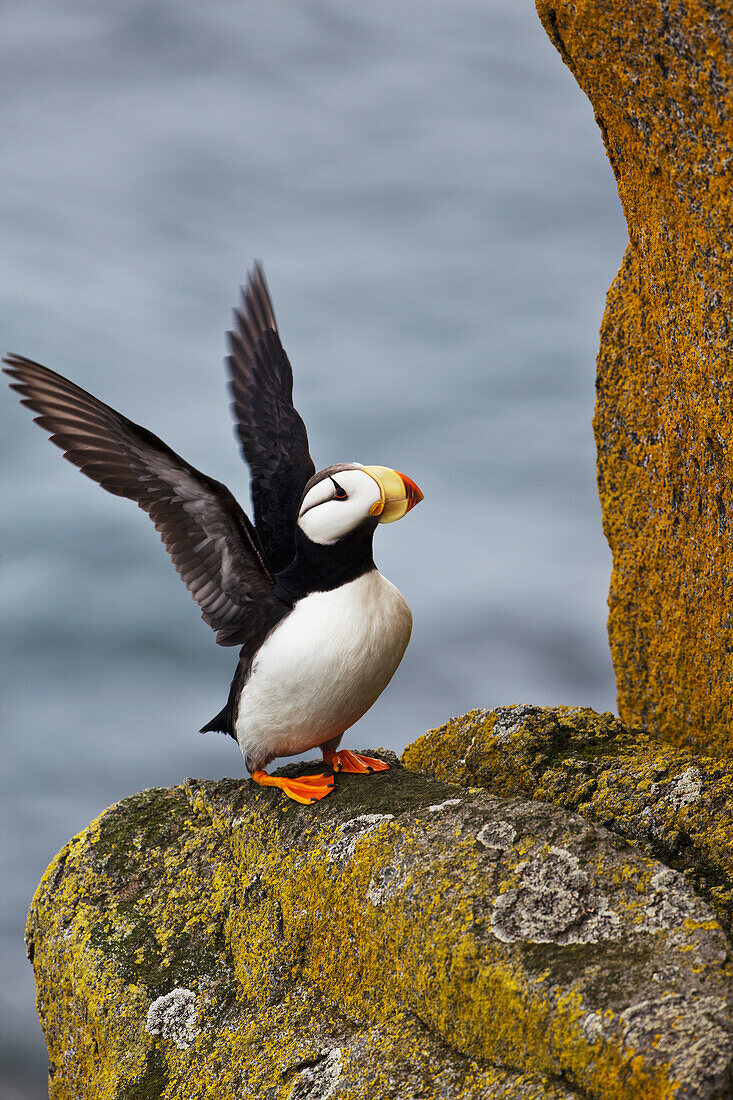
x=593 y=764
x=295 y=935
x=659 y=79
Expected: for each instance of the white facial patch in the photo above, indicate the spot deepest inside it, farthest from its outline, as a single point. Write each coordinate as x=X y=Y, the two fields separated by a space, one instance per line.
x=325 y=518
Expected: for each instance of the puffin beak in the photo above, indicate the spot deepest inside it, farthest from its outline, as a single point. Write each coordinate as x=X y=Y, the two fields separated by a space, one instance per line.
x=399 y=493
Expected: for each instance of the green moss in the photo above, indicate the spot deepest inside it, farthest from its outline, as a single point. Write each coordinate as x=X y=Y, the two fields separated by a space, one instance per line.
x=152 y=1084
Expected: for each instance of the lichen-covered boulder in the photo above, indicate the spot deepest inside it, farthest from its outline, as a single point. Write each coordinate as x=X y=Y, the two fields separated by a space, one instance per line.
x=659 y=74
x=675 y=805
x=402 y=938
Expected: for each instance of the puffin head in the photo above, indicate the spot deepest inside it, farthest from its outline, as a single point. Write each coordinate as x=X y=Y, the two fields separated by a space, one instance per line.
x=340 y=499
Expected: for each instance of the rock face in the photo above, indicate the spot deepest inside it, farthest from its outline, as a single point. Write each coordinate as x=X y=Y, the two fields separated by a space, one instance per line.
x=403 y=938
x=674 y=805
x=659 y=74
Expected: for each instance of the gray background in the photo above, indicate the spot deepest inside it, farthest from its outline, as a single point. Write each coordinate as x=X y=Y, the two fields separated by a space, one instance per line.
x=429 y=193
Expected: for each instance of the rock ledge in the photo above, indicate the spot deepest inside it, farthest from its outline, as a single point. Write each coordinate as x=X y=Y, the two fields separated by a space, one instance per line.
x=404 y=937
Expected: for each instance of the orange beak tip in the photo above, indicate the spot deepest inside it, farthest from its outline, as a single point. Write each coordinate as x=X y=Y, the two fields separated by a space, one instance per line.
x=414 y=495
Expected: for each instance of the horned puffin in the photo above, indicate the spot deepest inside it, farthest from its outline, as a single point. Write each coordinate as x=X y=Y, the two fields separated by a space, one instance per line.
x=321 y=631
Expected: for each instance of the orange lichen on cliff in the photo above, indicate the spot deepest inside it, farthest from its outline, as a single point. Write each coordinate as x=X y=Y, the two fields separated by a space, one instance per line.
x=660 y=78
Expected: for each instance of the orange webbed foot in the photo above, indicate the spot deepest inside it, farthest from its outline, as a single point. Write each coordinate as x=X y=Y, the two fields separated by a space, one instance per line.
x=304 y=789
x=353 y=762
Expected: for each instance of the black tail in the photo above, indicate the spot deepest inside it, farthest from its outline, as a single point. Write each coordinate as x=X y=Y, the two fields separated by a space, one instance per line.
x=222 y=723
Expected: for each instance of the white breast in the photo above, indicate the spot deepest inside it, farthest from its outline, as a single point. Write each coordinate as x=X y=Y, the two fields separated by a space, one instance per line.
x=322 y=668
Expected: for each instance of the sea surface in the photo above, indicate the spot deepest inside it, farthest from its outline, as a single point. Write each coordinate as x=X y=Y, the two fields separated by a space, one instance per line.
x=439 y=224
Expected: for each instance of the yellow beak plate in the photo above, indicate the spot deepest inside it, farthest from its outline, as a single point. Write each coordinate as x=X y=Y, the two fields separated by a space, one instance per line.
x=399 y=493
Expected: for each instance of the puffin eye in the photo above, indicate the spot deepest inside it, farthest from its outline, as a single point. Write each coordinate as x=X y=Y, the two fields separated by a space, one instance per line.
x=340 y=493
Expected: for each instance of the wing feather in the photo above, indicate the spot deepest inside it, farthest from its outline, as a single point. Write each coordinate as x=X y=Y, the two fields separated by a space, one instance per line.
x=212 y=544
x=272 y=435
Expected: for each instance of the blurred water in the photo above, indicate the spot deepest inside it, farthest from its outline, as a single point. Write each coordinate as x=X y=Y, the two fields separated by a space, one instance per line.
x=439 y=225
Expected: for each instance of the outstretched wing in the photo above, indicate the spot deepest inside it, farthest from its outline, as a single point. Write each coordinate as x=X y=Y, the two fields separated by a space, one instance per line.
x=272 y=435
x=212 y=543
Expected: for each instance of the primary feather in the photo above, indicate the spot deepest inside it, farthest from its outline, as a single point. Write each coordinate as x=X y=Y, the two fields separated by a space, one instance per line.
x=212 y=544
x=271 y=433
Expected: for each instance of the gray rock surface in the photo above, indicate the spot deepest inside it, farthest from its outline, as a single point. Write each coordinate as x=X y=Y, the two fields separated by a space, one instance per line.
x=401 y=938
